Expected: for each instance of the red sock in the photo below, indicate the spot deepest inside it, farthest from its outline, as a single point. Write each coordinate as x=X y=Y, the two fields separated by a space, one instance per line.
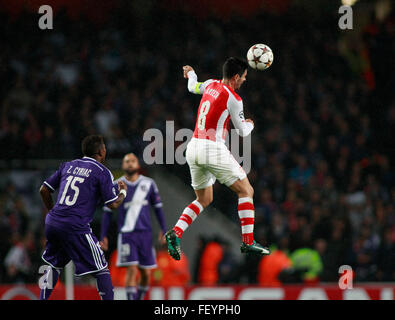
x=247 y=217
x=189 y=215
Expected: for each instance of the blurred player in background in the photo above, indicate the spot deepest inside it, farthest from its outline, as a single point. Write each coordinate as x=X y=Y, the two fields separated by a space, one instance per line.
x=82 y=184
x=135 y=247
x=209 y=158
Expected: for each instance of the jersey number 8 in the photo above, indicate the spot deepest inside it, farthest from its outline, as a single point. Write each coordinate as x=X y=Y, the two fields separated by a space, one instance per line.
x=203 y=113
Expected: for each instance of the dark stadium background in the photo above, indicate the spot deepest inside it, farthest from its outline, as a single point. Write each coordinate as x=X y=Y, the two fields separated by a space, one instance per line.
x=324 y=112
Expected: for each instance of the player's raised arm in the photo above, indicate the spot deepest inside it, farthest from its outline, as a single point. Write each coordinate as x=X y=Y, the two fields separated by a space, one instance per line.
x=243 y=126
x=193 y=85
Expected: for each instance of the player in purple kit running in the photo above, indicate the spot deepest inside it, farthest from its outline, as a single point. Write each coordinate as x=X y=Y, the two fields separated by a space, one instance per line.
x=135 y=248
x=83 y=184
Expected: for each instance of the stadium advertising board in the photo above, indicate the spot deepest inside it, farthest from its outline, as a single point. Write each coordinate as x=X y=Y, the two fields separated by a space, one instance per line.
x=329 y=292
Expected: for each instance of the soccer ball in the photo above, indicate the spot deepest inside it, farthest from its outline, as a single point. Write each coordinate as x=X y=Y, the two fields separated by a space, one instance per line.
x=260 y=56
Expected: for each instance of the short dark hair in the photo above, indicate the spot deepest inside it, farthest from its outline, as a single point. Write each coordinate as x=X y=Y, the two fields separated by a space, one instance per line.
x=91 y=145
x=233 y=66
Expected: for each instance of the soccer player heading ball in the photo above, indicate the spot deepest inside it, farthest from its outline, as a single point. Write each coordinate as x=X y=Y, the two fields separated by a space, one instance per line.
x=209 y=158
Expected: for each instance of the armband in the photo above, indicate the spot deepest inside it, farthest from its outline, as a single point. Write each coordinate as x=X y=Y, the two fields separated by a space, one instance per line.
x=123 y=191
x=197 y=87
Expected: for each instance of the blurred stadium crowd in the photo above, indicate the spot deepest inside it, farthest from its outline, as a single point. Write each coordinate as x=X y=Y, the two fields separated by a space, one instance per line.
x=321 y=163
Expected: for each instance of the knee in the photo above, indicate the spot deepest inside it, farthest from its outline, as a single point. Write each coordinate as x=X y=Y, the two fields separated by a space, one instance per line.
x=251 y=191
x=247 y=191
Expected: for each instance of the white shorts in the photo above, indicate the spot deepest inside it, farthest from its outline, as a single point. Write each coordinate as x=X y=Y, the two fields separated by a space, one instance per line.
x=208 y=161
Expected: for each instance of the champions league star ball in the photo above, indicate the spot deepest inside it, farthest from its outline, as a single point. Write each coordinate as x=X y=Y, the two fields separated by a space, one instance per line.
x=260 y=56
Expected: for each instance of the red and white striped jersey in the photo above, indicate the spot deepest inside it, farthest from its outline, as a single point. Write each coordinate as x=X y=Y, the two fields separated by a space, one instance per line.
x=218 y=105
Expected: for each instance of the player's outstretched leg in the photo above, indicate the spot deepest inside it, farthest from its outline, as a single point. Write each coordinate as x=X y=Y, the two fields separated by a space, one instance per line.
x=246 y=212
x=173 y=236
x=104 y=284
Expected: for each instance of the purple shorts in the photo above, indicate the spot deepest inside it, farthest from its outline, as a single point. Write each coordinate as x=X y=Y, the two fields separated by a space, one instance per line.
x=135 y=248
x=82 y=248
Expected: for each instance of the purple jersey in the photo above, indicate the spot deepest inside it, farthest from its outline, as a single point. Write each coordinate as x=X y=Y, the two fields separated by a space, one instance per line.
x=134 y=213
x=83 y=184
